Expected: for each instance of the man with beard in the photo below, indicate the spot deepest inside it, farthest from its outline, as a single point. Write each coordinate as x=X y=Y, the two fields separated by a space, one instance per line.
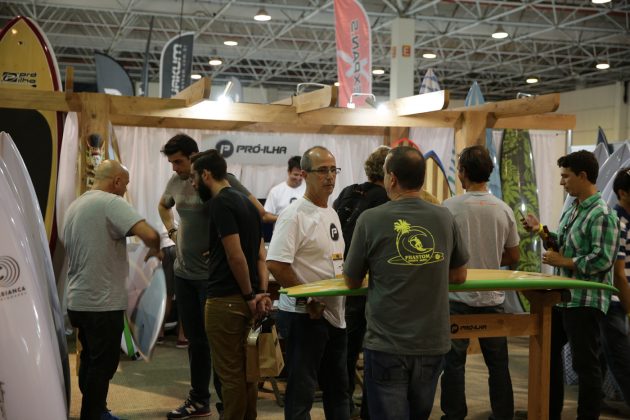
x=237 y=281
x=588 y=237
x=191 y=267
x=307 y=246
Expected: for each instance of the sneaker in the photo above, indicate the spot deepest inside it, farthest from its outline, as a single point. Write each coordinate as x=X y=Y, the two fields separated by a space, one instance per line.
x=107 y=415
x=182 y=344
x=189 y=409
x=159 y=341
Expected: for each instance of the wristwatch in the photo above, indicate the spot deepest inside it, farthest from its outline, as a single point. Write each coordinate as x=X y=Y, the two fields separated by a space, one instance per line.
x=249 y=296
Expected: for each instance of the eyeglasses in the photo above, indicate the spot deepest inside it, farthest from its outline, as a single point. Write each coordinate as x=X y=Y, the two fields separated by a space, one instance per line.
x=325 y=171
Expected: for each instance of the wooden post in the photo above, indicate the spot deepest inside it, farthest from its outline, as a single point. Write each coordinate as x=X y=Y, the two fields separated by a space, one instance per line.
x=93 y=122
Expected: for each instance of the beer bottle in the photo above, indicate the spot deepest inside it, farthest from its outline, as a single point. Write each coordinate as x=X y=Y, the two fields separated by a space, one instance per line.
x=549 y=242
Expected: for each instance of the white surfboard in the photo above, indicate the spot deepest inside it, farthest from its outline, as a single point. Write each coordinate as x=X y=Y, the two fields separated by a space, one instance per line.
x=608 y=195
x=26 y=199
x=30 y=369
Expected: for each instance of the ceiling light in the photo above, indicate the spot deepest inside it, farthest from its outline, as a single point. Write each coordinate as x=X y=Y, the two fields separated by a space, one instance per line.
x=429 y=55
x=378 y=72
x=215 y=61
x=600 y=1
x=262 y=15
x=602 y=66
x=532 y=80
x=500 y=33
x=230 y=43
x=195 y=76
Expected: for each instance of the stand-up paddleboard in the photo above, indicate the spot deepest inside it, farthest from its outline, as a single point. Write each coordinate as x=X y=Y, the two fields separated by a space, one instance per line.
x=477 y=280
x=146 y=287
x=30 y=371
x=475 y=97
x=27 y=62
x=518 y=184
x=435 y=181
x=24 y=196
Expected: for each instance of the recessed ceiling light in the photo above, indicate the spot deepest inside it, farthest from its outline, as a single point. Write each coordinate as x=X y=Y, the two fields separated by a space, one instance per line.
x=600 y=1
x=230 y=43
x=262 y=15
x=195 y=76
x=378 y=72
x=429 y=55
x=602 y=66
x=215 y=61
x=531 y=80
x=500 y=33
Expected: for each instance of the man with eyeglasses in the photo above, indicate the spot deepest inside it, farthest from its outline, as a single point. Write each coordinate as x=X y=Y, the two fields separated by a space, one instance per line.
x=307 y=246
x=588 y=237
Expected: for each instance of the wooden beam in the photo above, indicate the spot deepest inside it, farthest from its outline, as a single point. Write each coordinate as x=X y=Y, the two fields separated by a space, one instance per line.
x=419 y=104
x=317 y=99
x=69 y=82
x=516 y=107
x=196 y=92
x=537 y=122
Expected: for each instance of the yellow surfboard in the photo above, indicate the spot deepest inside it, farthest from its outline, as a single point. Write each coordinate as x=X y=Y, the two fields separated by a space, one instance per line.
x=477 y=280
x=27 y=62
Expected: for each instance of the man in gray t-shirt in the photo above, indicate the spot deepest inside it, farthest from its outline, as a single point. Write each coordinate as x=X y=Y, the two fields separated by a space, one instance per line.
x=412 y=250
x=489 y=228
x=96 y=226
x=191 y=267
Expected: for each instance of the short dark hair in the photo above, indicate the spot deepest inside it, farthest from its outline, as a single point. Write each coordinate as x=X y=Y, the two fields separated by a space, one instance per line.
x=180 y=143
x=212 y=161
x=306 y=163
x=581 y=161
x=476 y=163
x=373 y=165
x=294 y=163
x=622 y=181
x=408 y=164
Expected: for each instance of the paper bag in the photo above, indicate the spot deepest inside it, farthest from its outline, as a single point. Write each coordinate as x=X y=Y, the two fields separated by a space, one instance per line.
x=264 y=356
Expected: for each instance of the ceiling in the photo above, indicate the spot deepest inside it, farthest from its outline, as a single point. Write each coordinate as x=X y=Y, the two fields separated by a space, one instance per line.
x=558 y=41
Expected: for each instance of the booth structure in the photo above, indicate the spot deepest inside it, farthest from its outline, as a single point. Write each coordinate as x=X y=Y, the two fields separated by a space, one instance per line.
x=315 y=112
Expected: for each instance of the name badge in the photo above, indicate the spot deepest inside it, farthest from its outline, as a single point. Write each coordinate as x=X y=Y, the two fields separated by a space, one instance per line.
x=337 y=260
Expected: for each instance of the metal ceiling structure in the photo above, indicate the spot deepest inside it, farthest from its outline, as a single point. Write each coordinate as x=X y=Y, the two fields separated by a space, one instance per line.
x=558 y=41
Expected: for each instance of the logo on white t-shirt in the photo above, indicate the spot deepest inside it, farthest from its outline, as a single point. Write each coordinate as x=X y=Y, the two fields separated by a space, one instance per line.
x=334 y=232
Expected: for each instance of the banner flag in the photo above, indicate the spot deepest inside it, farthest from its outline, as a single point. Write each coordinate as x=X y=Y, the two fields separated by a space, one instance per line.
x=354 y=51
x=111 y=77
x=176 y=64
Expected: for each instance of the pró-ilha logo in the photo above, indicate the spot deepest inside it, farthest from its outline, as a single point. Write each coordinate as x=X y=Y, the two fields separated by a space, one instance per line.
x=225 y=148
x=22 y=78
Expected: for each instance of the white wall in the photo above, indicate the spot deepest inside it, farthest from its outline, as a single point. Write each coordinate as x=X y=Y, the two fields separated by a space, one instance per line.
x=601 y=106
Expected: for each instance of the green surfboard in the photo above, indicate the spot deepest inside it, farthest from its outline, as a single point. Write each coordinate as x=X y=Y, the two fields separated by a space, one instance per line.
x=477 y=280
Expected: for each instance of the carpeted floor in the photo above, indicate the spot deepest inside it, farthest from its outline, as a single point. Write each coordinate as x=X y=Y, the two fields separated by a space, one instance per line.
x=148 y=390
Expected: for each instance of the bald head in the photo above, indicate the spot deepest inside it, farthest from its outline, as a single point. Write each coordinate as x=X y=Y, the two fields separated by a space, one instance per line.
x=112 y=177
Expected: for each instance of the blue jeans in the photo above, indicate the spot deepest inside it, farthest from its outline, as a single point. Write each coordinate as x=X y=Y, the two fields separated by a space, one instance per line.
x=616 y=346
x=191 y=303
x=99 y=335
x=495 y=354
x=581 y=328
x=400 y=387
x=316 y=354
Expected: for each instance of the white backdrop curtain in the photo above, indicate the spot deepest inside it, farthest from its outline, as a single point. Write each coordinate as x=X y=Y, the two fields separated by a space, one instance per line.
x=149 y=170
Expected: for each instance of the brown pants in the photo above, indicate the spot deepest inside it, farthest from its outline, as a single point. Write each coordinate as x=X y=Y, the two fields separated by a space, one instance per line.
x=228 y=322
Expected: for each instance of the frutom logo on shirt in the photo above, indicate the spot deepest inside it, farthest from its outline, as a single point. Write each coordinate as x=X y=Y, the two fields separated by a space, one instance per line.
x=415 y=245
x=334 y=232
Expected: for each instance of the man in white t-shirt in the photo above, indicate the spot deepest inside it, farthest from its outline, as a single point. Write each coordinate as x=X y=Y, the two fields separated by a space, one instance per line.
x=307 y=246
x=285 y=193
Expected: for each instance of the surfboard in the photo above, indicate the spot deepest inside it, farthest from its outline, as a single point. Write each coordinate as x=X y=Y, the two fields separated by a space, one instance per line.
x=609 y=169
x=146 y=287
x=475 y=97
x=27 y=62
x=477 y=280
x=608 y=195
x=435 y=181
x=25 y=198
x=31 y=372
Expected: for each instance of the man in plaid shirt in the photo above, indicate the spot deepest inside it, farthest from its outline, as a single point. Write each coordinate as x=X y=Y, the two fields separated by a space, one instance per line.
x=588 y=237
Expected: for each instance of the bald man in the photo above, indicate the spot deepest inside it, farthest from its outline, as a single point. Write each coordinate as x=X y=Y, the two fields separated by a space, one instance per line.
x=97 y=224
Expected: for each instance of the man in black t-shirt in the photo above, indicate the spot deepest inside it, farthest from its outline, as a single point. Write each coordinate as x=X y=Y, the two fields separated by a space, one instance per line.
x=237 y=283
